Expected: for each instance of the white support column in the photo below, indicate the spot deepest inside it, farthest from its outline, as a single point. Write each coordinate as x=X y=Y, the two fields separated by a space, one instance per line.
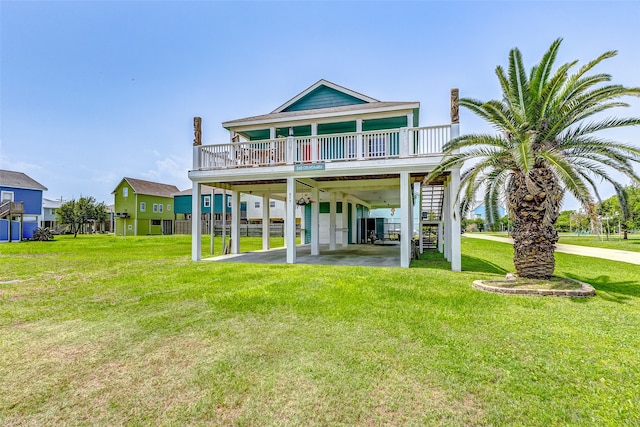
x=447 y=213
x=224 y=219
x=266 y=222
x=359 y=148
x=454 y=184
x=272 y=132
x=290 y=221
x=196 y=157
x=441 y=235
x=345 y=221
x=405 y=220
x=212 y=205
x=332 y=221
x=420 y=227
x=235 y=222
x=315 y=221
x=196 y=224
x=354 y=222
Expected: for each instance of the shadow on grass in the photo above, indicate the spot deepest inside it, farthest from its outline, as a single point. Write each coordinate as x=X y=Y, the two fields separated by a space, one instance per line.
x=435 y=260
x=619 y=292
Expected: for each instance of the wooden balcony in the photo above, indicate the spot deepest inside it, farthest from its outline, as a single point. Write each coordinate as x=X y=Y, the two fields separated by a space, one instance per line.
x=11 y=208
x=320 y=149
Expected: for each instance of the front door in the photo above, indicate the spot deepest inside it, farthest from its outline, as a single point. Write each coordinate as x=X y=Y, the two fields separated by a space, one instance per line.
x=167 y=226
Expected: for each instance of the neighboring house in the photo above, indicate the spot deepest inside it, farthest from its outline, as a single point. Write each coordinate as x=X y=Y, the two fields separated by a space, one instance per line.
x=143 y=207
x=333 y=149
x=20 y=206
x=183 y=204
x=480 y=212
x=49 y=209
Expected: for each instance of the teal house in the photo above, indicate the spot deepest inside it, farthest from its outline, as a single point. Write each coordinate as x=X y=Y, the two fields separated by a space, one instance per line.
x=336 y=154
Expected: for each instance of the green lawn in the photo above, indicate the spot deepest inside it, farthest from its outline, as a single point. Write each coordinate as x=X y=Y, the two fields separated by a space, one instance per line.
x=615 y=241
x=103 y=330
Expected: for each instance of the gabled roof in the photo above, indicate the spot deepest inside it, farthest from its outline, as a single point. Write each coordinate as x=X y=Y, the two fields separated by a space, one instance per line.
x=19 y=180
x=150 y=188
x=322 y=99
x=339 y=96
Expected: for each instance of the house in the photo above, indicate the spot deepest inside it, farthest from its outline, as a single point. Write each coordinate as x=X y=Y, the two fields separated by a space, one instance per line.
x=20 y=205
x=49 y=210
x=143 y=207
x=334 y=150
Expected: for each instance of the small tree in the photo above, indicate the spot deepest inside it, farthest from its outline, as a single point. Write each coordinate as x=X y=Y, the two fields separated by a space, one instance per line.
x=80 y=213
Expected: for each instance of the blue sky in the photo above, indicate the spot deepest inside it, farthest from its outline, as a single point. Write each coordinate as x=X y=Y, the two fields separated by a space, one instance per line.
x=92 y=91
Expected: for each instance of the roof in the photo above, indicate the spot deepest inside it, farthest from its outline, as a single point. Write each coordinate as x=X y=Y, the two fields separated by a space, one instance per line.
x=150 y=188
x=19 y=180
x=323 y=98
x=345 y=109
x=320 y=84
x=51 y=203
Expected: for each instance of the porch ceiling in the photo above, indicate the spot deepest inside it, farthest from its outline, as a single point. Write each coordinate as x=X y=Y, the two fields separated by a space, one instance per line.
x=374 y=191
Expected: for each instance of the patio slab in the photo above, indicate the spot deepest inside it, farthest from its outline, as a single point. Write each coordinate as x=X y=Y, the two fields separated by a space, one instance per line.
x=378 y=255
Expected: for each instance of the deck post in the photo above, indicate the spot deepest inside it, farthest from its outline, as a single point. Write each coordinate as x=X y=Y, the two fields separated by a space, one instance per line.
x=235 y=222
x=404 y=142
x=359 y=141
x=314 y=142
x=332 y=221
x=315 y=221
x=290 y=220
x=405 y=220
x=196 y=224
x=266 y=223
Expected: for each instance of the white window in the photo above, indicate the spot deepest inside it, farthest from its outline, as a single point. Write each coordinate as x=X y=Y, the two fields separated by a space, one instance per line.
x=125 y=191
x=229 y=203
x=160 y=206
x=272 y=204
x=143 y=206
x=257 y=205
x=168 y=208
x=7 y=195
x=155 y=207
x=207 y=201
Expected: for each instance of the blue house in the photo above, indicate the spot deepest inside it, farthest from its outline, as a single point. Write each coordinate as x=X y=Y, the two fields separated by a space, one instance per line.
x=20 y=206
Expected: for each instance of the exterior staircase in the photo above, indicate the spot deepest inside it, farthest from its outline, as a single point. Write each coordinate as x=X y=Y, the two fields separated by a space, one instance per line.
x=8 y=208
x=432 y=204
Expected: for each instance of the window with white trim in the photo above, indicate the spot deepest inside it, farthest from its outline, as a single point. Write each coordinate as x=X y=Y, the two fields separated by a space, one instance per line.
x=125 y=191
x=143 y=206
x=207 y=201
x=155 y=207
x=160 y=207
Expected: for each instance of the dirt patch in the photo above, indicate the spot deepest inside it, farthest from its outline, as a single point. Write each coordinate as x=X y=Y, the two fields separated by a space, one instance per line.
x=553 y=287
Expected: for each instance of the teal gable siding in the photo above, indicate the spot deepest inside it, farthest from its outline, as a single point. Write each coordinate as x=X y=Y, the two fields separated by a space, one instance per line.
x=323 y=97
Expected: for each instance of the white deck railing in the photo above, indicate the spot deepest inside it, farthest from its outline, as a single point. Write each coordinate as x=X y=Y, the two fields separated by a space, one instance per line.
x=393 y=143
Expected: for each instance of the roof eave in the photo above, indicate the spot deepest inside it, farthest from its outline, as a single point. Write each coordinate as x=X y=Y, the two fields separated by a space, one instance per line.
x=319 y=114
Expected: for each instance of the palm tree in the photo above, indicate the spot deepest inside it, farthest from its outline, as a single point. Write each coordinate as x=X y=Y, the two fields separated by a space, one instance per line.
x=545 y=146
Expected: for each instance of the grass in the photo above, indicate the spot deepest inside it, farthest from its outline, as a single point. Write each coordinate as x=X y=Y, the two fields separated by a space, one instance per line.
x=103 y=330
x=632 y=243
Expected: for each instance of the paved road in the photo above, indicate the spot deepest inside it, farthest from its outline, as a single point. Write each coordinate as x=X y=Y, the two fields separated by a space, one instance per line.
x=612 y=254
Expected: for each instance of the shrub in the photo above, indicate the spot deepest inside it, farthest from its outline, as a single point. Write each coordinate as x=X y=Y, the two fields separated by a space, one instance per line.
x=42 y=234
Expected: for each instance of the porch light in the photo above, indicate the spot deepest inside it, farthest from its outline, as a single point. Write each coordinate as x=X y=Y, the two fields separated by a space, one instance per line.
x=303 y=202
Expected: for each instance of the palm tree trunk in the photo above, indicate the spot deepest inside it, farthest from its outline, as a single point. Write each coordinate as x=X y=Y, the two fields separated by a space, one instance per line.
x=534 y=204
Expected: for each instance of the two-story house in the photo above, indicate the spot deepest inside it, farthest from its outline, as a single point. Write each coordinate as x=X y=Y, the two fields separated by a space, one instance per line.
x=20 y=205
x=331 y=145
x=143 y=207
